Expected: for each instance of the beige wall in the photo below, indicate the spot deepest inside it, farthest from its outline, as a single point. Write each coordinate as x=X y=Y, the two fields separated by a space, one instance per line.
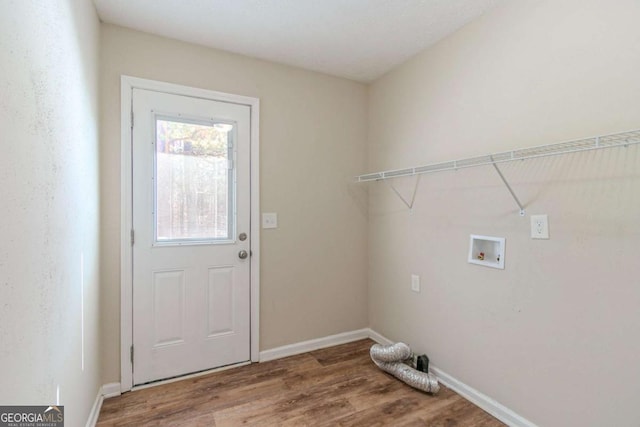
x=554 y=336
x=312 y=139
x=49 y=221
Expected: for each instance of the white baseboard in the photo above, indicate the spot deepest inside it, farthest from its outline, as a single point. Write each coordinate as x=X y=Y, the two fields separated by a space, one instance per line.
x=95 y=409
x=111 y=390
x=380 y=339
x=315 y=344
x=104 y=392
x=479 y=399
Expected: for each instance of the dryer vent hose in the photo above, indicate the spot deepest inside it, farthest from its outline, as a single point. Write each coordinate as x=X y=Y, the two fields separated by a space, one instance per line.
x=394 y=359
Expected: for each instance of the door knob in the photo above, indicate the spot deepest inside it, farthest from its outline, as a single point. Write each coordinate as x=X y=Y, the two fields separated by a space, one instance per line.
x=243 y=254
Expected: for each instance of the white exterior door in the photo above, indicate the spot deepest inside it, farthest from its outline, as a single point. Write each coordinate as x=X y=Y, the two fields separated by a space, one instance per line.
x=191 y=211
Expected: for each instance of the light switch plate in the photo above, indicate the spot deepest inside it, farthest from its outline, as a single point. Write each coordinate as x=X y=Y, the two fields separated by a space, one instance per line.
x=539 y=227
x=415 y=283
x=270 y=220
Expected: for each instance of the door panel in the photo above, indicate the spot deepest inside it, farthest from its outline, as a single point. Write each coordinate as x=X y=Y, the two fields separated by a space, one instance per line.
x=168 y=307
x=220 y=301
x=191 y=198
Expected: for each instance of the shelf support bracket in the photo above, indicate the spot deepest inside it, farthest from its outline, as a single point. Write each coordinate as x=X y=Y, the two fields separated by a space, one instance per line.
x=504 y=180
x=413 y=196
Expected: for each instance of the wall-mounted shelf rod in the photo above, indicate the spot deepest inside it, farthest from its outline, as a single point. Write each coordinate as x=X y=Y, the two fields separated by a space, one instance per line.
x=622 y=139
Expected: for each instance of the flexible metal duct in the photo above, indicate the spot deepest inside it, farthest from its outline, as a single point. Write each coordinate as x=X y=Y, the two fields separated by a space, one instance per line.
x=392 y=358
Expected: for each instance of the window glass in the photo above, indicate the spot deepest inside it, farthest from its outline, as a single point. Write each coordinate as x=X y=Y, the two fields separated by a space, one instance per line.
x=193 y=180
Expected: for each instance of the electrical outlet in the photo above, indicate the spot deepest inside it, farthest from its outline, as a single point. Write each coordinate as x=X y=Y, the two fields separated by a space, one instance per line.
x=415 y=283
x=539 y=227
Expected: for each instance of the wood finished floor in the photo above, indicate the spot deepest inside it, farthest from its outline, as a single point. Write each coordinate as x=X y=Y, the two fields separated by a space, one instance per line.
x=337 y=386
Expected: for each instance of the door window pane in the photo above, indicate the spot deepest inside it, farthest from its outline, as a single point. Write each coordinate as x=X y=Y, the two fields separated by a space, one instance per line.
x=193 y=180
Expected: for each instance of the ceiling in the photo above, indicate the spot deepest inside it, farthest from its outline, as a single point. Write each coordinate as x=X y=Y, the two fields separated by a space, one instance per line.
x=356 y=39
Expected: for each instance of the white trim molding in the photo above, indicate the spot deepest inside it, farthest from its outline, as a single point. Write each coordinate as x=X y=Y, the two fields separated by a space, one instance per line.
x=104 y=392
x=380 y=339
x=479 y=399
x=111 y=390
x=315 y=344
x=126 y=268
x=92 y=420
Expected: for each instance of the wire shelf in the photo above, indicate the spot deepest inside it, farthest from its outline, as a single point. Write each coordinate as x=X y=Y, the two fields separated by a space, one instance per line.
x=622 y=139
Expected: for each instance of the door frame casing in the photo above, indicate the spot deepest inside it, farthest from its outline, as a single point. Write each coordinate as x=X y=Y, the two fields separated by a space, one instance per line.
x=127 y=84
